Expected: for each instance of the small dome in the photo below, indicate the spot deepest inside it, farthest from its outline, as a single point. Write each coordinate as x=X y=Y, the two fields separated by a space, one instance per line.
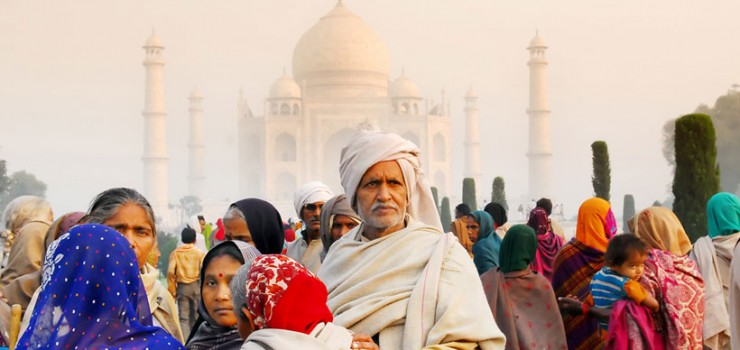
x=537 y=41
x=285 y=87
x=470 y=93
x=153 y=41
x=404 y=87
x=196 y=94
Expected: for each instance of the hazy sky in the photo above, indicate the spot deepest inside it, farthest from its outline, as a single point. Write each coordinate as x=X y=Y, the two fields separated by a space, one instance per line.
x=72 y=82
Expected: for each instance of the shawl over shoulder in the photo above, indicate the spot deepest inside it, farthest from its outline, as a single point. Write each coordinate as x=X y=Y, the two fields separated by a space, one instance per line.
x=716 y=317
x=677 y=284
x=417 y=288
x=525 y=309
x=325 y=336
x=573 y=269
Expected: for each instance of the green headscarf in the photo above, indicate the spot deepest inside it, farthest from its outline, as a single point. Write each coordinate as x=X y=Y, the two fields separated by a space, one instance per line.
x=485 y=223
x=723 y=214
x=518 y=248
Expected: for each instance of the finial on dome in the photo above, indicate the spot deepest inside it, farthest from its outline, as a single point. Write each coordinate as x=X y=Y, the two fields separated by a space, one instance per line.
x=403 y=70
x=537 y=41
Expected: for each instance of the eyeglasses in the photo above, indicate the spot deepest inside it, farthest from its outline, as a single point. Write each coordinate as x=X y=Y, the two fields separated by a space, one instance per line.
x=313 y=206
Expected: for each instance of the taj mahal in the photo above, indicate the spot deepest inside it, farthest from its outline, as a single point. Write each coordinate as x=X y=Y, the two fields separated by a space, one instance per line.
x=340 y=83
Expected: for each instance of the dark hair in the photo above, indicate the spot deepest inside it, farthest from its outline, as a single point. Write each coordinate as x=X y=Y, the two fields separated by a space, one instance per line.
x=497 y=212
x=463 y=209
x=545 y=203
x=188 y=235
x=220 y=250
x=200 y=217
x=106 y=204
x=621 y=246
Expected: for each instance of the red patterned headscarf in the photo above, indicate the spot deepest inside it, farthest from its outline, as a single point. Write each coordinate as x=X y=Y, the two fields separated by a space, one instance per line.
x=283 y=294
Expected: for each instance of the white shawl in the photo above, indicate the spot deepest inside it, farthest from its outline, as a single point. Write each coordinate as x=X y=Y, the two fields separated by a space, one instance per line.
x=371 y=147
x=325 y=336
x=417 y=287
x=711 y=258
x=161 y=303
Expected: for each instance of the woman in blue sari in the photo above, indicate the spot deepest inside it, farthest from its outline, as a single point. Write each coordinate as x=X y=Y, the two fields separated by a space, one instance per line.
x=92 y=296
x=487 y=243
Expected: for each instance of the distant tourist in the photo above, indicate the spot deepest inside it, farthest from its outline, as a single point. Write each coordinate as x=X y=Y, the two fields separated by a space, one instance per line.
x=307 y=247
x=460 y=227
x=183 y=275
x=500 y=219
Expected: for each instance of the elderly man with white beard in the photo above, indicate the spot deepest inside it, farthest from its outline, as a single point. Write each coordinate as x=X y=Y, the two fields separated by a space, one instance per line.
x=397 y=276
x=307 y=247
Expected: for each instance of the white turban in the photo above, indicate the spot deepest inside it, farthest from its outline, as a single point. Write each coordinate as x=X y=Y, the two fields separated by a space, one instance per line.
x=371 y=147
x=311 y=192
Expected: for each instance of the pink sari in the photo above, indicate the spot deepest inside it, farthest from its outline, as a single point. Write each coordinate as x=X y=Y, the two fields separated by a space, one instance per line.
x=631 y=327
x=676 y=283
x=548 y=243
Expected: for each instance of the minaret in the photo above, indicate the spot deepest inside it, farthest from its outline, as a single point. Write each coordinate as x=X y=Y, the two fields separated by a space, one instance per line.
x=244 y=113
x=196 y=146
x=472 y=143
x=155 y=133
x=540 y=153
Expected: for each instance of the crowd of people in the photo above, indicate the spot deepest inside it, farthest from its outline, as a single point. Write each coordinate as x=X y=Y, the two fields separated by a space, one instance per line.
x=369 y=269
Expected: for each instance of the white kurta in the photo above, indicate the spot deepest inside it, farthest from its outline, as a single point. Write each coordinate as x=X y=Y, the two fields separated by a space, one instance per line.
x=309 y=255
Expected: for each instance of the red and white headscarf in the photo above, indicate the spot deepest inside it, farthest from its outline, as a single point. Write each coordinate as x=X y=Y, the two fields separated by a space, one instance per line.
x=283 y=294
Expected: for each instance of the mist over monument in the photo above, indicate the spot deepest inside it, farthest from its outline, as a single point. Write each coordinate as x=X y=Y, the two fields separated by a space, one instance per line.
x=340 y=83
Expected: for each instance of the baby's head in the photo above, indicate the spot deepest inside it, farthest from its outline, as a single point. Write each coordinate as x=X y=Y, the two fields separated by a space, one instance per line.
x=626 y=255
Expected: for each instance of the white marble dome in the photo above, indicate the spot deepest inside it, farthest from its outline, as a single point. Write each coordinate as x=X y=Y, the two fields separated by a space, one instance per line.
x=537 y=41
x=153 y=41
x=404 y=87
x=342 y=50
x=285 y=87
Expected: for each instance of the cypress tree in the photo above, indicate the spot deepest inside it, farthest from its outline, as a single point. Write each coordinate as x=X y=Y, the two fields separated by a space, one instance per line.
x=697 y=175
x=445 y=215
x=628 y=211
x=468 y=195
x=602 y=177
x=435 y=195
x=498 y=194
